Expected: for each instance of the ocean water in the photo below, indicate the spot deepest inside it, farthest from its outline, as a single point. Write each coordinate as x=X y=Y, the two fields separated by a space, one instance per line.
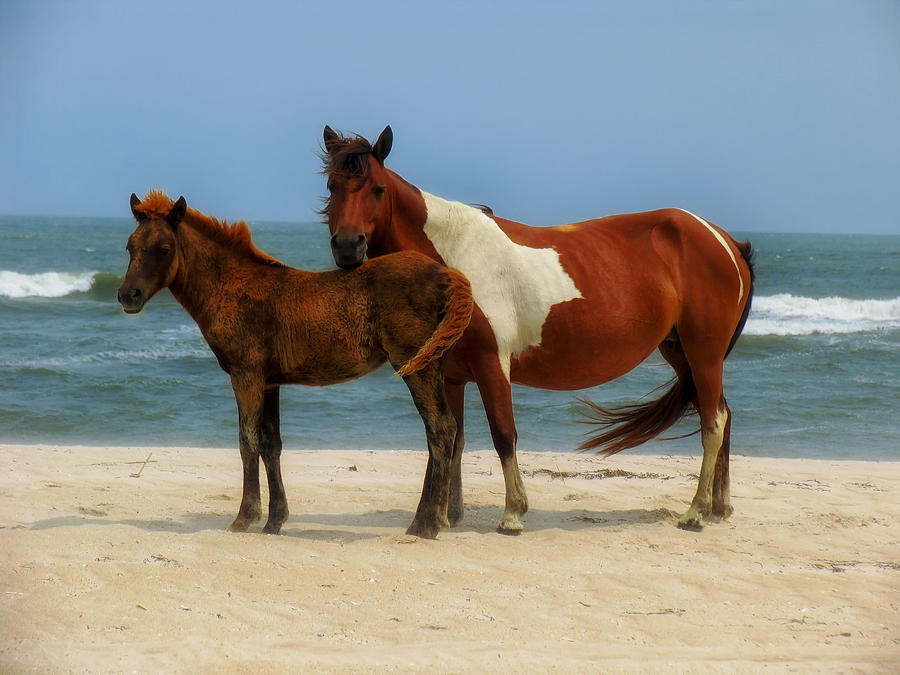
x=816 y=373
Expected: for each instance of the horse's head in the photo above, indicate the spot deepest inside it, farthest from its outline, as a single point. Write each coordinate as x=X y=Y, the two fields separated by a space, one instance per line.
x=358 y=204
x=153 y=250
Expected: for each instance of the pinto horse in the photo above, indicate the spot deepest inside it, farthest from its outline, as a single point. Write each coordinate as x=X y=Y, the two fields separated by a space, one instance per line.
x=269 y=324
x=564 y=308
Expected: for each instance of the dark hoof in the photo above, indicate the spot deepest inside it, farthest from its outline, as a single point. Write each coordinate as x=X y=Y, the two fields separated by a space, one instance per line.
x=454 y=516
x=423 y=532
x=720 y=514
x=691 y=525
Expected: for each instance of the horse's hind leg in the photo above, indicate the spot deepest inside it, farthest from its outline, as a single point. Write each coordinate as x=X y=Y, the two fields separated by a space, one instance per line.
x=721 y=492
x=259 y=436
x=456 y=401
x=270 y=450
x=427 y=389
x=714 y=422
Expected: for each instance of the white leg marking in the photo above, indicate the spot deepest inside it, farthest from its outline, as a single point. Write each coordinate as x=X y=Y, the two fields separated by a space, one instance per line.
x=725 y=245
x=510 y=521
x=702 y=502
x=514 y=285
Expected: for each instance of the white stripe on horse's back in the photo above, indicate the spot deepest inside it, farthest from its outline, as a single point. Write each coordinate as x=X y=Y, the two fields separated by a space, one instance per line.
x=725 y=245
x=514 y=285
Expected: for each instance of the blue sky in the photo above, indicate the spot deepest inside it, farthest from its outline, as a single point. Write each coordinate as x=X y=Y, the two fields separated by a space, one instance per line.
x=759 y=116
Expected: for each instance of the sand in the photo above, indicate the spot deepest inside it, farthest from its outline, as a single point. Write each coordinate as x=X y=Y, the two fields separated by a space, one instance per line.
x=109 y=563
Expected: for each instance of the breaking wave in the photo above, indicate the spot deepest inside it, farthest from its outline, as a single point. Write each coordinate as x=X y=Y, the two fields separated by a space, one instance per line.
x=786 y=314
x=57 y=284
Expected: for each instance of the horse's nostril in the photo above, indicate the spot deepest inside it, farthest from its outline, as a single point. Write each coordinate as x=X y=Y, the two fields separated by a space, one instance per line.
x=347 y=243
x=134 y=294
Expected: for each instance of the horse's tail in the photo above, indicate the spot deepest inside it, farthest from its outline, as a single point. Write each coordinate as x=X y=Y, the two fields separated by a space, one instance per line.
x=626 y=426
x=457 y=313
x=630 y=425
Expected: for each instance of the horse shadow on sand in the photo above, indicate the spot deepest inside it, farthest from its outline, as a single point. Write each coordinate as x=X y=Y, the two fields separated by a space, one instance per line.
x=479 y=519
x=193 y=523
x=345 y=527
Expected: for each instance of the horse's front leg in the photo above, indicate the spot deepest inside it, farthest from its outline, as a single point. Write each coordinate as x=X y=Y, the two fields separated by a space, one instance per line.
x=496 y=395
x=427 y=389
x=270 y=449
x=248 y=393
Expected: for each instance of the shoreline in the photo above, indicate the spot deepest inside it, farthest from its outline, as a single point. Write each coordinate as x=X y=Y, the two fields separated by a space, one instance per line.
x=652 y=449
x=115 y=562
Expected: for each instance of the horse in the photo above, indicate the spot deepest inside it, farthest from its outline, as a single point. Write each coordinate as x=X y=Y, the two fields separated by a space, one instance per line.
x=269 y=325
x=563 y=308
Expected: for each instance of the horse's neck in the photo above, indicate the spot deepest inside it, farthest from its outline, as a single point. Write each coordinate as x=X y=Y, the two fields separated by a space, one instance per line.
x=453 y=228
x=203 y=273
x=411 y=211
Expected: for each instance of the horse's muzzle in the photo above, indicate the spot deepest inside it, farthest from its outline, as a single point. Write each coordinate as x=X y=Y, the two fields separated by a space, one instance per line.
x=348 y=250
x=132 y=300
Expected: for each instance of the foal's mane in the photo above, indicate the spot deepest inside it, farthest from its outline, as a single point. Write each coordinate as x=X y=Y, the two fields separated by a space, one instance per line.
x=235 y=236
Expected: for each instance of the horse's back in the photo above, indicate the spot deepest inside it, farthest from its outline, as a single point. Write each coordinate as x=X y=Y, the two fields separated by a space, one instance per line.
x=665 y=246
x=415 y=301
x=408 y=281
x=639 y=275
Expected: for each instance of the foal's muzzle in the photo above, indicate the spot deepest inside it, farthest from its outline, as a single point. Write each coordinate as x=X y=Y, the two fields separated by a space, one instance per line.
x=132 y=300
x=348 y=250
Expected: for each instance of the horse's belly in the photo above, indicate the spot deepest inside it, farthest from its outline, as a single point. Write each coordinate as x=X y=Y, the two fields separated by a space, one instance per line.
x=582 y=348
x=545 y=369
x=327 y=370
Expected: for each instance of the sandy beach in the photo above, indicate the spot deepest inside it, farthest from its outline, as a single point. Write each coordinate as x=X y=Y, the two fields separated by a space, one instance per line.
x=111 y=562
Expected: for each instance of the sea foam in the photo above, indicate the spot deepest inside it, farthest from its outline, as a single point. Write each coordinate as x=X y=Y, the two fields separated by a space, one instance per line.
x=786 y=314
x=44 y=284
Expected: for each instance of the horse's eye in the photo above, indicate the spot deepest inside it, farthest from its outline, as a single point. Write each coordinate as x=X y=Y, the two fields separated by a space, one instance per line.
x=378 y=190
x=165 y=249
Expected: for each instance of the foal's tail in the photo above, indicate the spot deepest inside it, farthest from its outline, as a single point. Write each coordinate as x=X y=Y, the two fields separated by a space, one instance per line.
x=630 y=425
x=457 y=313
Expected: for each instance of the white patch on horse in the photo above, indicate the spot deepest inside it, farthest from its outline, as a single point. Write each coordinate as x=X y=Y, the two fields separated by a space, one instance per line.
x=725 y=245
x=514 y=285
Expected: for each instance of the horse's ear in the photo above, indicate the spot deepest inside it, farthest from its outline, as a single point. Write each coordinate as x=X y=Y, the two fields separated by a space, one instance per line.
x=332 y=139
x=383 y=144
x=135 y=202
x=176 y=215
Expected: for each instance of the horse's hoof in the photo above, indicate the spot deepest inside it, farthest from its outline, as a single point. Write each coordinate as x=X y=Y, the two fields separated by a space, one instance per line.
x=238 y=526
x=423 y=532
x=454 y=515
x=692 y=524
x=510 y=525
x=721 y=513
x=272 y=529
x=510 y=532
